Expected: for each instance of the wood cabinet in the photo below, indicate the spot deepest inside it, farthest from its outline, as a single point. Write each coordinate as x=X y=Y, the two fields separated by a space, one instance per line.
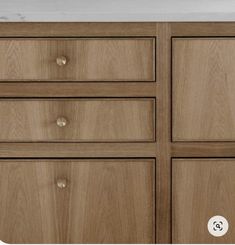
x=101 y=201
x=201 y=189
x=117 y=132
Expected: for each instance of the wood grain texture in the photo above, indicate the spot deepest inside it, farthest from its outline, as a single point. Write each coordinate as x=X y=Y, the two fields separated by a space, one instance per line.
x=203 y=149
x=68 y=150
x=197 y=29
x=75 y=29
x=202 y=188
x=88 y=120
x=163 y=124
x=93 y=59
x=203 y=89
x=162 y=150
x=105 y=201
x=73 y=89
x=91 y=29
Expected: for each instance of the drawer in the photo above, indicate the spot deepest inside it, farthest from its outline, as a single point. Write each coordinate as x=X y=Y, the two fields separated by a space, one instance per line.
x=91 y=120
x=91 y=59
x=203 y=189
x=203 y=89
x=77 y=201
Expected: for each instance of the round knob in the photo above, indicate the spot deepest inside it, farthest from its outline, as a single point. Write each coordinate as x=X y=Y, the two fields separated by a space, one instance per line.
x=61 y=122
x=61 y=61
x=61 y=183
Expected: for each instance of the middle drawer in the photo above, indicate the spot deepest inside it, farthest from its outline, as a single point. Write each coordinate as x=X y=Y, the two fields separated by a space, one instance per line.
x=77 y=120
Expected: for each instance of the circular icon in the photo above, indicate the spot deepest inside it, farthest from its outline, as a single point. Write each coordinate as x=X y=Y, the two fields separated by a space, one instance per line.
x=217 y=226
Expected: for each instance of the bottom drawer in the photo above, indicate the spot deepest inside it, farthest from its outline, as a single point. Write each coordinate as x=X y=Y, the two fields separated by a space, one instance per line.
x=203 y=200
x=77 y=201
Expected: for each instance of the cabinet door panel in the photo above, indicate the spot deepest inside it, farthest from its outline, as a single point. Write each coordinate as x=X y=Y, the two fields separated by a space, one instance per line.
x=202 y=188
x=104 y=201
x=203 y=89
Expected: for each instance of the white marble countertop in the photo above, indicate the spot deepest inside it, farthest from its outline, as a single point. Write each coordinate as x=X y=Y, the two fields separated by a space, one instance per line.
x=116 y=10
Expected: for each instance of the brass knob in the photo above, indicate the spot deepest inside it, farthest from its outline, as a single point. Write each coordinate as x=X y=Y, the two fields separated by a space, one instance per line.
x=61 y=61
x=61 y=122
x=61 y=183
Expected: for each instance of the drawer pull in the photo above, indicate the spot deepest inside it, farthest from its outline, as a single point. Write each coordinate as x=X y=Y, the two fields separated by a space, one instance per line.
x=61 y=183
x=61 y=122
x=61 y=61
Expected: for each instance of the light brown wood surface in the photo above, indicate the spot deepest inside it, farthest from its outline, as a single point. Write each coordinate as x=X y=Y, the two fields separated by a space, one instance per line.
x=117 y=59
x=64 y=150
x=107 y=29
x=163 y=149
x=163 y=89
x=87 y=120
x=203 y=29
x=202 y=188
x=203 y=149
x=203 y=89
x=77 y=29
x=105 y=201
x=74 y=89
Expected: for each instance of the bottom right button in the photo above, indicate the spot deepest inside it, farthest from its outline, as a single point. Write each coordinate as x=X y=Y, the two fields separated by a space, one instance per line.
x=218 y=226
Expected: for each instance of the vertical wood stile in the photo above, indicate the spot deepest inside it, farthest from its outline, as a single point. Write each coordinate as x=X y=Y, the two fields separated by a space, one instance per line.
x=163 y=92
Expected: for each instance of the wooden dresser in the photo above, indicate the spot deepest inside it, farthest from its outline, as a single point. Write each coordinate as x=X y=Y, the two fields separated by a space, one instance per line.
x=116 y=132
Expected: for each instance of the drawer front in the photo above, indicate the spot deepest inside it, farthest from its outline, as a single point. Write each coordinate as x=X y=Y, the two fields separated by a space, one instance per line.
x=77 y=201
x=92 y=120
x=202 y=189
x=203 y=89
x=114 y=59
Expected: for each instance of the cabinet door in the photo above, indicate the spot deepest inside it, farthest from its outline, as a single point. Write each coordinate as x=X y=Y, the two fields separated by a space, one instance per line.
x=202 y=189
x=77 y=201
x=203 y=89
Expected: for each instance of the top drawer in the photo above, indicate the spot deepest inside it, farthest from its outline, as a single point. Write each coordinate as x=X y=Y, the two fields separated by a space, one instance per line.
x=93 y=59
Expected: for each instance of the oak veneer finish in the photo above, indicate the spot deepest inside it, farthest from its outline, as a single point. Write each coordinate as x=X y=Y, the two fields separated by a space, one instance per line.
x=203 y=89
x=202 y=29
x=93 y=120
x=83 y=150
x=76 y=29
x=163 y=149
x=93 y=59
x=73 y=89
x=203 y=149
x=105 y=201
x=202 y=188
